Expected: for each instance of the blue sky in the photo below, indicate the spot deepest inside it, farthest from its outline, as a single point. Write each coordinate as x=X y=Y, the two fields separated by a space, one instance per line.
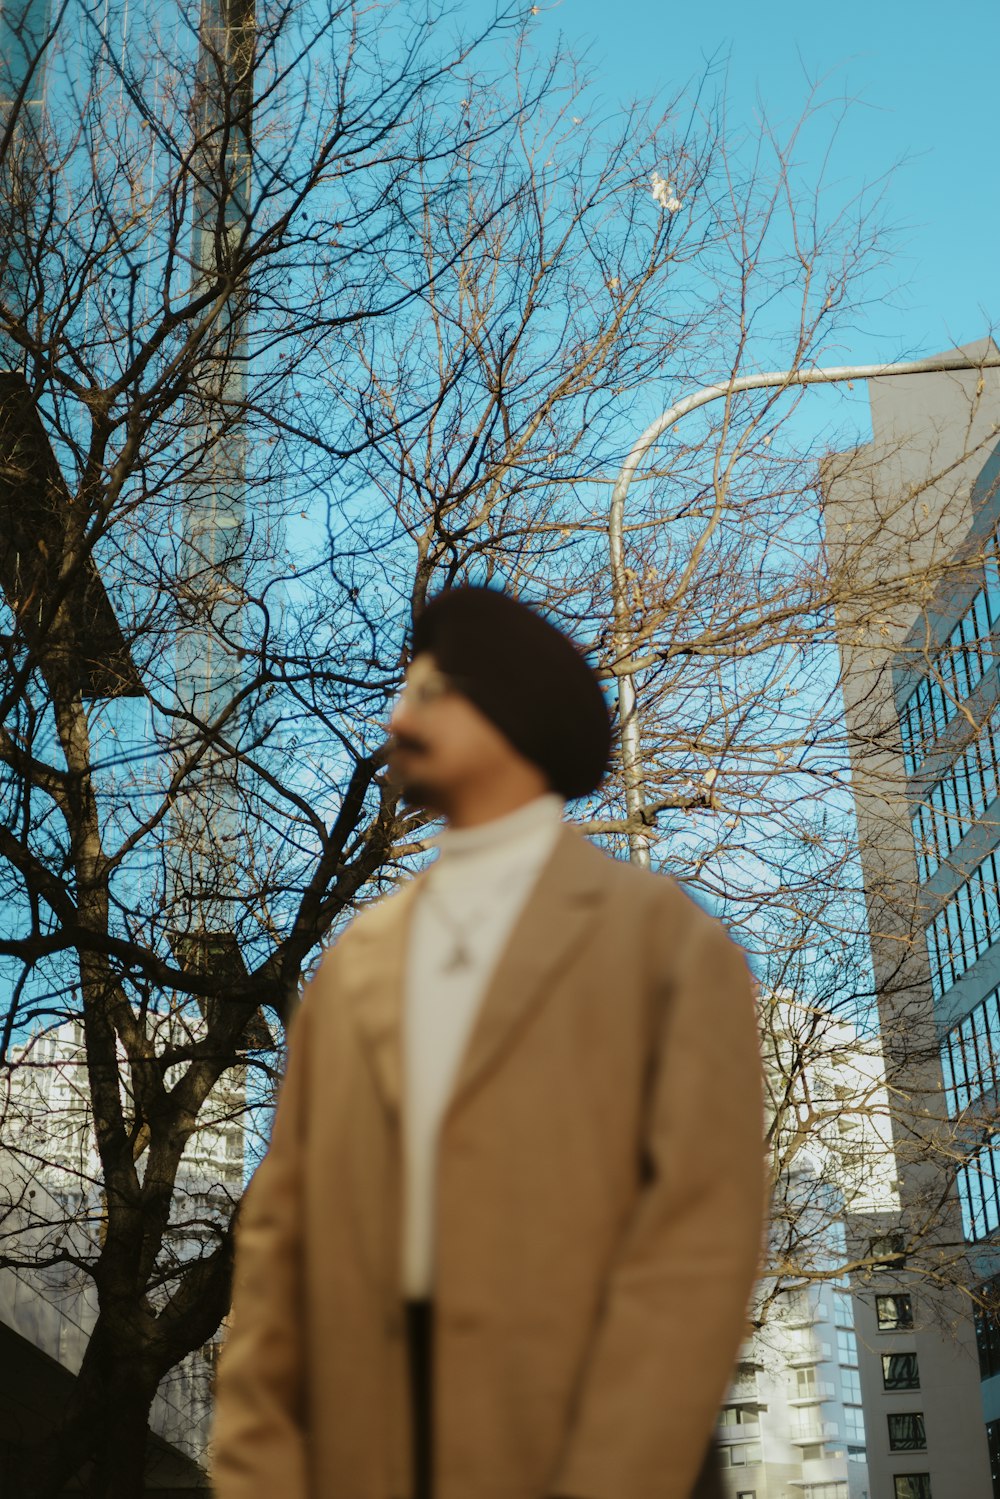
x=919 y=83
x=924 y=80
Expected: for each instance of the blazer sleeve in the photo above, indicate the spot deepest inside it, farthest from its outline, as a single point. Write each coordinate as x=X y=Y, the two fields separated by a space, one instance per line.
x=258 y=1436
x=675 y=1309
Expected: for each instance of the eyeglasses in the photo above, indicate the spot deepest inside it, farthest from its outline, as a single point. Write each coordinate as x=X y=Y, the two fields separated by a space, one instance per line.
x=424 y=684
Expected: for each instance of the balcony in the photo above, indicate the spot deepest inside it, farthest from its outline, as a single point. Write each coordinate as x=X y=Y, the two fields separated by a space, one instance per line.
x=820 y=1391
x=747 y=1431
x=808 y=1352
x=805 y=1314
x=744 y=1386
x=819 y=1431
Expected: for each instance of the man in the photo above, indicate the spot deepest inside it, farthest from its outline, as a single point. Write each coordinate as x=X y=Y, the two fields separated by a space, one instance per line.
x=502 y=1243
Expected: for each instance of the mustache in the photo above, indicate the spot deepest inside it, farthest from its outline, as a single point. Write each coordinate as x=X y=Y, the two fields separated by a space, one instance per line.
x=407 y=742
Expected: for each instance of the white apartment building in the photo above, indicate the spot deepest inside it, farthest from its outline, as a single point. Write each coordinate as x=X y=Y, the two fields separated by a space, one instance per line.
x=51 y=1201
x=794 y=1423
x=793 y=1426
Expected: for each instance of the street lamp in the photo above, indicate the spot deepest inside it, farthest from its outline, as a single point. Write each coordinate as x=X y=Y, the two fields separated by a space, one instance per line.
x=638 y=820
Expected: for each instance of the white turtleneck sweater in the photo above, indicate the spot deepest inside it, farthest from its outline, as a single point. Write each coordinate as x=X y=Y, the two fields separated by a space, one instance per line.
x=472 y=896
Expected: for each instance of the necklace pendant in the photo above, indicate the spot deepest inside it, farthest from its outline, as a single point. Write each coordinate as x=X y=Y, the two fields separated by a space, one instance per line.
x=456 y=959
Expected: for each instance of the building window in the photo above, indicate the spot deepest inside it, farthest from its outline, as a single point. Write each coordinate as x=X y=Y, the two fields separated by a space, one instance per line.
x=987 y=1322
x=843 y=1312
x=738 y=1415
x=899 y=1371
x=854 y=1418
x=993 y=1443
x=847 y=1347
x=739 y=1455
x=801 y=1343
x=956 y=802
x=912 y=1486
x=969 y=1055
x=850 y=1386
x=966 y=925
x=978 y=1182
x=888 y=1251
x=797 y=1307
x=894 y=1312
x=825 y=1490
x=959 y=667
x=906 y=1432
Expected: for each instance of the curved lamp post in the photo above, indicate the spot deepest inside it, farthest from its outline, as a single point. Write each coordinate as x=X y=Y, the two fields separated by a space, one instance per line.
x=635 y=795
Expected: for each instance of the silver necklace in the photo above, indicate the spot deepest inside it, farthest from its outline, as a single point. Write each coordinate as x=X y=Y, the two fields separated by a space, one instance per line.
x=458 y=955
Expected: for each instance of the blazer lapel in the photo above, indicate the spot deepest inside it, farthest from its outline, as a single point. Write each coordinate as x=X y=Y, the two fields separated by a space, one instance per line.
x=554 y=921
x=375 y=984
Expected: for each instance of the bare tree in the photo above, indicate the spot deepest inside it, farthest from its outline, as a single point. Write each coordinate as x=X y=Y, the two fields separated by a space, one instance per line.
x=308 y=312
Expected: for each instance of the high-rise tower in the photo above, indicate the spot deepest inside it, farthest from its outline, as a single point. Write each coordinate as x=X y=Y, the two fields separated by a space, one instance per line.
x=911 y=522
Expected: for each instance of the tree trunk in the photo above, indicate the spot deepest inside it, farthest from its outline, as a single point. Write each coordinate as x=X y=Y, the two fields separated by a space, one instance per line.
x=121 y=1458
x=101 y=1437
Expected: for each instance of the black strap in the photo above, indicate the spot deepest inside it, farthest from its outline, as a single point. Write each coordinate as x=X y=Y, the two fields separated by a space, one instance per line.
x=420 y=1339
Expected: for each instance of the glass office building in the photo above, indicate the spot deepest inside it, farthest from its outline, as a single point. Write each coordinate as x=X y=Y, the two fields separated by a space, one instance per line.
x=921 y=681
x=950 y=729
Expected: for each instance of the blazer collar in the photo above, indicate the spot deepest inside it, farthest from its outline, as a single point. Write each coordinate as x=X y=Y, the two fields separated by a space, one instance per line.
x=548 y=929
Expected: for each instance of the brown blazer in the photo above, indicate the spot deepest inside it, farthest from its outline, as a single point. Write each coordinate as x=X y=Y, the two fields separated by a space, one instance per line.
x=599 y=1213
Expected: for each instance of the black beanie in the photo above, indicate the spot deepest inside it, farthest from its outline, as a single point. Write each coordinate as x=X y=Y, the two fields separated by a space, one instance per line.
x=527 y=677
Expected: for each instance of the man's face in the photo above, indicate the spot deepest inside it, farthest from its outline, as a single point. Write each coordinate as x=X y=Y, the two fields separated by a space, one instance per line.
x=443 y=746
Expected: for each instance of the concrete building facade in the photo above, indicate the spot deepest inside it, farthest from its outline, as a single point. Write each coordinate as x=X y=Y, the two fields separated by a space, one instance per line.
x=911 y=527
